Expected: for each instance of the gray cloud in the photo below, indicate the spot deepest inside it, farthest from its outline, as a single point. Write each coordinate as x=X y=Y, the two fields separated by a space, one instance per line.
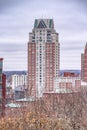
x=7 y=4
x=82 y=3
x=9 y=48
x=17 y=19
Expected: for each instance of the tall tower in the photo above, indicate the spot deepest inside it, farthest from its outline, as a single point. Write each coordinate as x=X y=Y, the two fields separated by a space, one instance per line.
x=43 y=57
x=2 y=88
x=1 y=66
x=84 y=65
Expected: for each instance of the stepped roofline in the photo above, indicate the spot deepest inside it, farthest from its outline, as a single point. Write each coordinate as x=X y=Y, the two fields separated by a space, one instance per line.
x=44 y=23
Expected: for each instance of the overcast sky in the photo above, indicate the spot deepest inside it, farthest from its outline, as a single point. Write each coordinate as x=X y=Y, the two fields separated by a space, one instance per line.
x=17 y=20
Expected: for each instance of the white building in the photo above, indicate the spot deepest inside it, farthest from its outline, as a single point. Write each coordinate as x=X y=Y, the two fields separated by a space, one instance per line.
x=18 y=80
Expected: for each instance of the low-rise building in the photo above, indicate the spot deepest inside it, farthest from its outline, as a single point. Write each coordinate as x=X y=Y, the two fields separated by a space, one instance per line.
x=70 y=74
x=67 y=83
x=19 y=92
x=17 y=80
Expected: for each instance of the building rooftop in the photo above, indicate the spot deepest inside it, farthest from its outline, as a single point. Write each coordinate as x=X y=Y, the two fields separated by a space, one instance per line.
x=44 y=23
x=63 y=90
x=25 y=99
x=13 y=105
x=83 y=83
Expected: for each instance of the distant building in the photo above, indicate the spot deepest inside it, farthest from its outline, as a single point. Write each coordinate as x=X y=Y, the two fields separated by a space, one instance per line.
x=43 y=57
x=18 y=80
x=19 y=92
x=84 y=65
x=2 y=88
x=66 y=84
x=70 y=74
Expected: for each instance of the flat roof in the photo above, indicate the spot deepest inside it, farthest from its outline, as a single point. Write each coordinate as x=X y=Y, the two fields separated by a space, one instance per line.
x=25 y=99
x=13 y=105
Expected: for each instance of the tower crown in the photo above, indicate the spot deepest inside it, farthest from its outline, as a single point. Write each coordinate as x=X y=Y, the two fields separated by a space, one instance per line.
x=44 y=23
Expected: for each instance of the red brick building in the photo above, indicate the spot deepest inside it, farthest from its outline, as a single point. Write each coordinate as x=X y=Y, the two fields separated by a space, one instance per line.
x=2 y=88
x=43 y=57
x=3 y=93
x=84 y=65
x=50 y=67
x=32 y=69
x=69 y=74
x=64 y=84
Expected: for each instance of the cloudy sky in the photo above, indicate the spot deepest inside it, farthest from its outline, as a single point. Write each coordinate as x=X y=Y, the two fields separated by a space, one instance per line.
x=17 y=20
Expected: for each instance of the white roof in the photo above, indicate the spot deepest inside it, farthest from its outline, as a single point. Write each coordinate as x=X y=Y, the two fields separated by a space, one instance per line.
x=83 y=83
